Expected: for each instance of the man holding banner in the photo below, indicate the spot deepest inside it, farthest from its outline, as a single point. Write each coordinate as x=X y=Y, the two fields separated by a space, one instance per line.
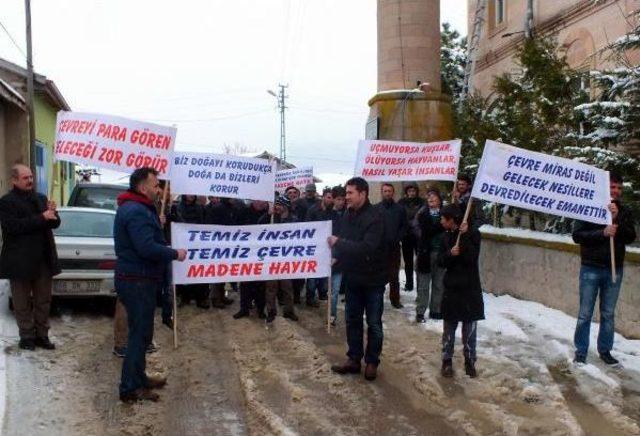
x=595 y=273
x=360 y=250
x=142 y=257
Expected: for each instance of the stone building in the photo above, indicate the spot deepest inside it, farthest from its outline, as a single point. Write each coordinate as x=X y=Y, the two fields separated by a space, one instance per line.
x=582 y=29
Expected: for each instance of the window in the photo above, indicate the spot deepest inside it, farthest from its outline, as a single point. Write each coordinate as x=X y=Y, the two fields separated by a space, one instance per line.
x=499 y=8
x=85 y=224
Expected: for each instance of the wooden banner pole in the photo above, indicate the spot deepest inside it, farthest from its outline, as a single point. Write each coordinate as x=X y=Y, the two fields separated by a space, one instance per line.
x=175 y=319
x=465 y=219
x=165 y=191
x=612 y=247
x=329 y=300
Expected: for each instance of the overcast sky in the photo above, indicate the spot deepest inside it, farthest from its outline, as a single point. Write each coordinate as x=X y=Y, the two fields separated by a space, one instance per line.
x=205 y=65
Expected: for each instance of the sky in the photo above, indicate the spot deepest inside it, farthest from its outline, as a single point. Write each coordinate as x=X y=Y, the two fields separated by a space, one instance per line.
x=206 y=65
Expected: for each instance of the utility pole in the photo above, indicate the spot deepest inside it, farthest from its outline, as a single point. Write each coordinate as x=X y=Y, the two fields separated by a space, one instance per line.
x=528 y=20
x=283 y=133
x=32 y=121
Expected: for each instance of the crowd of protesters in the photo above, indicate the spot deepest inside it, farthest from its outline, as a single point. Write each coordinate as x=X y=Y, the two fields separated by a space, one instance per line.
x=428 y=234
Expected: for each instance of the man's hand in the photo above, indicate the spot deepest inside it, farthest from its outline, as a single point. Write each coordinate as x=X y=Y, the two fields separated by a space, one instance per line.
x=163 y=220
x=614 y=211
x=456 y=194
x=51 y=205
x=182 y=254
x=49 y=215
x=455 y=251
x=610 y=231
x=464 y=228
x=331 y=240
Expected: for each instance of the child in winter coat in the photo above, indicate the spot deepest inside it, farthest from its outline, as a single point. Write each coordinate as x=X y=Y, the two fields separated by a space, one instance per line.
x=462 y=299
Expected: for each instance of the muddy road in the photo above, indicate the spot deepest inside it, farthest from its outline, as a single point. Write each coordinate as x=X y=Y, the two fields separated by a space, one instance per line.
x=237 y=377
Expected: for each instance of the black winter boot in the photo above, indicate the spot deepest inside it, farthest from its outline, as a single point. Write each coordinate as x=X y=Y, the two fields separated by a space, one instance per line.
x=470 y=368
x=447 y=368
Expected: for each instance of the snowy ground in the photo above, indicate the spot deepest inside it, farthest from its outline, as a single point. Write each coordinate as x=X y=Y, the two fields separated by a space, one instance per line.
x=239 y=377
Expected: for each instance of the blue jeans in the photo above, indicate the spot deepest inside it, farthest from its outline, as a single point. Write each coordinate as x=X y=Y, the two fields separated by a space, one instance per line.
x=363 y=299
x=316 y=284
x=336 y=282
x=139 y=299
x=594 y=281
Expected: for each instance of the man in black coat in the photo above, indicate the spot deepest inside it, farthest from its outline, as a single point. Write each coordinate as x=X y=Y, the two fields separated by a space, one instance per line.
x=224 y=213
x=360 y=249
x=29 y=258
x=411 y=202
x=317 y=289
x=396 y=226
x=595 y=273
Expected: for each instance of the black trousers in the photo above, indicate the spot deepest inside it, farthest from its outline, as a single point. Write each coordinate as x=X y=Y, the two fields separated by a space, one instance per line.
x=250 y=292
x=409 y=251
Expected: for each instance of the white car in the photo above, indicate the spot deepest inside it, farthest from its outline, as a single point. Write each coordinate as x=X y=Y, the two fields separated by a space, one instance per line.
x=86 y=253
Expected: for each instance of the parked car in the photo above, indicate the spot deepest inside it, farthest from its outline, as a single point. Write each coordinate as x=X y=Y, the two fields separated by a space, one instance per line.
x=96 y=195
x=86 y=253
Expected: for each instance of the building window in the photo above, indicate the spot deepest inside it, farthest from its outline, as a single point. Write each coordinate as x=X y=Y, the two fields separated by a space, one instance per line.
x=499 y=8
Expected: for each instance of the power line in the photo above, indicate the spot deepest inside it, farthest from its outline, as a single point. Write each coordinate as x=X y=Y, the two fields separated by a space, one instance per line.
x=13 y=40
x=200 y=120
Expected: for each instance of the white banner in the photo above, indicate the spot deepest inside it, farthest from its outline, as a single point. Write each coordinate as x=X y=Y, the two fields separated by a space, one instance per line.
x=115 y=143
x=548 y=184
x=298 y=177
x=222 y=175
x=390 y=161
x=219 y=254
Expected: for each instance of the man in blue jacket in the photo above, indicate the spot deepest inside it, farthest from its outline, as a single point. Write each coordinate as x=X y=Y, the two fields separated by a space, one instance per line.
x=143 y=256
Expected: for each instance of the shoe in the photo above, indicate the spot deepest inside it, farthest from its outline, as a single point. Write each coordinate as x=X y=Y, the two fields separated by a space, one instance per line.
x=168 y=322
x=151 y=348
x=397 y=305
x=142 y=394
x=204 y=304
x=271 y=316
x=371 y=371
x=349 y=367
x=261 y=314
x=44 y=342
x=292 y=316
x=580 y=359
x=240 y=314
x=313 y=303
x=119 y=351
x=156 y=381
x=420 y=318
x=333 y=321
x=408 y=287
x=470 y=368
x=609 y=359
x=27 y=344
x=227 y=301
x=447 y=368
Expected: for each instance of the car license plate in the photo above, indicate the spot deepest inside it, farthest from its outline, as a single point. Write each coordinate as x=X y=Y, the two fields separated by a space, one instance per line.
x=76 y=286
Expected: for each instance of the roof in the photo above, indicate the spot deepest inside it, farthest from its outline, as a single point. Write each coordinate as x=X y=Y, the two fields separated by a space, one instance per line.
x=281 y=164
x=42 y=84
x=10 y=94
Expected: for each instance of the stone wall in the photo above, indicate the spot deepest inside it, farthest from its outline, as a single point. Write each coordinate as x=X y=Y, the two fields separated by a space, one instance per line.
x=544 y=268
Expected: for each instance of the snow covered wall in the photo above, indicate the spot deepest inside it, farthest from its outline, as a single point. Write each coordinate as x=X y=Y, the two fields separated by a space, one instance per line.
x=543 y=267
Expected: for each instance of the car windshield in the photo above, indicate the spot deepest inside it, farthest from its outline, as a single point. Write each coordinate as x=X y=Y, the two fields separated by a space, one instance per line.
x=101 y=198
x=85 y=224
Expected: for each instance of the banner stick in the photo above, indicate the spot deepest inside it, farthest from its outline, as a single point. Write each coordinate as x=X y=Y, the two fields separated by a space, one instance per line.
x=329 y=300
x=165 y=191
x=612 y=248
x=175 y=319
x=465 y=219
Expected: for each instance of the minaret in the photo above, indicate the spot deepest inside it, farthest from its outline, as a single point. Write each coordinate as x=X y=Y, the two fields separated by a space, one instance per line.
x=408 y=53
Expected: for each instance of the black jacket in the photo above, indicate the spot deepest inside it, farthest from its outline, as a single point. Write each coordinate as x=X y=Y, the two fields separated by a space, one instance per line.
x=395 y=221
x=316 y=213
x=188 y=213
x=224 y=213
x=249 y=216
x=361 y=248
x=411 y=207
x=429 y=229
x=27 y=236
x=462 y=298
x=594 y=245
x=477 y=217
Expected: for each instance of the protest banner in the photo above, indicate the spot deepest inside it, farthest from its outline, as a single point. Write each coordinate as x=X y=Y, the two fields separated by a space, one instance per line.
x=222 y=175
x=111 y=142
x=543 y=183
x=219 y=254
x=390 y=161
x=298 y=177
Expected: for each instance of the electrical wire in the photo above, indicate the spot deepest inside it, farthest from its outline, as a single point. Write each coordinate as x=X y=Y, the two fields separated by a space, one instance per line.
x=13 y=40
